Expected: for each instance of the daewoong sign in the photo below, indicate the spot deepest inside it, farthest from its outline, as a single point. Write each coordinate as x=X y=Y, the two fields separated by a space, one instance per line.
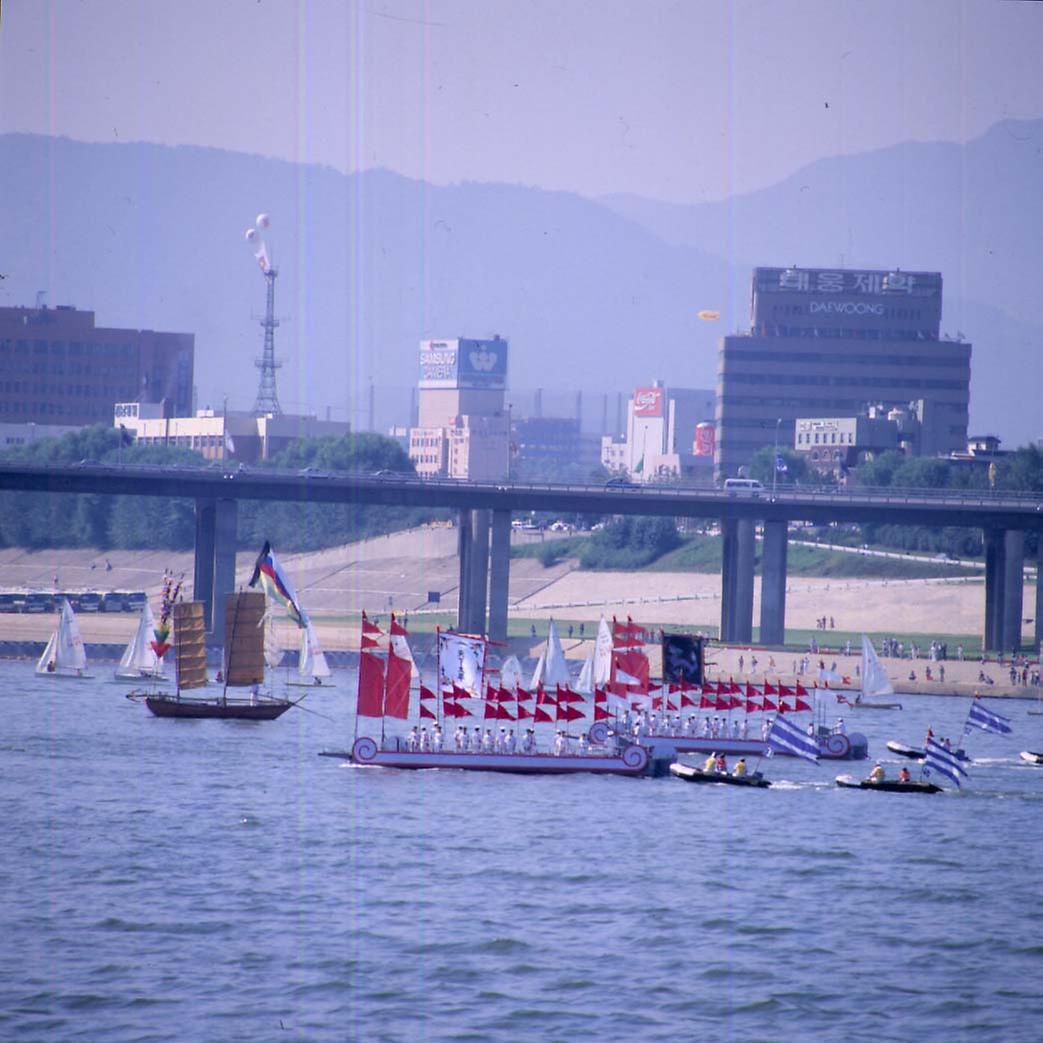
x=463 y=363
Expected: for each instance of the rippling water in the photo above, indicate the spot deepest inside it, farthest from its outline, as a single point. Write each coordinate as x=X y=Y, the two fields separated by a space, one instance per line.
x=173 y=880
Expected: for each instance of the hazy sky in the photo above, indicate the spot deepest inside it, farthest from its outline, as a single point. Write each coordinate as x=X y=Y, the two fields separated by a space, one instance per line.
x=681 y=101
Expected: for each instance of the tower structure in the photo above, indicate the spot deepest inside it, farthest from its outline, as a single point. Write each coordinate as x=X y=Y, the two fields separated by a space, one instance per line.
x=267 y=401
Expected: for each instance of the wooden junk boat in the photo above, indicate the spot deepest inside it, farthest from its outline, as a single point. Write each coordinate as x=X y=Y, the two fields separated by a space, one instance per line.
x=243 y=667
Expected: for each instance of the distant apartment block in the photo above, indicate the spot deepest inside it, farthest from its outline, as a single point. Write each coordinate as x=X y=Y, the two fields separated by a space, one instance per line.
x=57 y=367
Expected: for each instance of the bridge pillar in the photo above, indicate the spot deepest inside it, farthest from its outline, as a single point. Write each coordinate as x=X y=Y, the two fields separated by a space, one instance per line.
x=226 y=521
x=479 y=576
x=995 y=580
x=1038 y=644
x=773 y=584
x=499 y=575
x=465 y=538
x=203 y=571
x=737 y=554
x=1013 y=589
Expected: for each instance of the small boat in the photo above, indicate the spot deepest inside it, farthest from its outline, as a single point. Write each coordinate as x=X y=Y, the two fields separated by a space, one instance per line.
x=140 y=662
x=64 y=657
x=917 y=753
x=1031 y=756
x=684 y=771
x=312 y=669
x=875 y=682
x=888 y=785
x=633 y=760
x=244 y=664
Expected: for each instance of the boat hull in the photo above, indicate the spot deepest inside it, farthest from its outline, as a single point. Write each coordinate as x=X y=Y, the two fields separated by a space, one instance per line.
x=865 y=704
x=851 y=747
x=231 y=710
x=1031 y=756
x=57 y=675
x=888 y=785
x=752 y=781
x=915 y=754
x=633 y=760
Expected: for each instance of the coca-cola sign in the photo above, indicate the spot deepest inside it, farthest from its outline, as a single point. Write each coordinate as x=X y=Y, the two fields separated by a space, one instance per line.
x=648 y=402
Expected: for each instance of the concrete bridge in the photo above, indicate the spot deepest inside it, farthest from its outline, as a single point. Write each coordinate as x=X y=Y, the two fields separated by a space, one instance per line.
x=485 y=510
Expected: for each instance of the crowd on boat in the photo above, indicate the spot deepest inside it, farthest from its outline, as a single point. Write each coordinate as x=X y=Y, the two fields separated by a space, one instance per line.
x=420 y=740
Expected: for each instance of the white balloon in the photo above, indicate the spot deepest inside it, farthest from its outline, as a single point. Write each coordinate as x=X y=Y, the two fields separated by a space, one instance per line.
x=262 y=221
x=251 y=234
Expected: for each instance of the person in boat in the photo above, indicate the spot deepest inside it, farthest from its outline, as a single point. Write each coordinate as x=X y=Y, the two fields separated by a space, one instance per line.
x=559 y=743
x=318 y=681
x=740 y=768
x=903 y=775
x=413 y=740
x=510 y=743
x=583 y=744
x=745 y=727
x=255 y=691
x=220 y=678
x=710 y=764
x=476 y=741
x=459 y=738
x=706 y=727
x=735 y=728
x=500 y=740
x=877 y=774
x=436 y=739
x=841 y=728
x=765 y=728
x=51 y=666
x=488 y=742
x=722 y=764
x=528 y=744
x=425 y=741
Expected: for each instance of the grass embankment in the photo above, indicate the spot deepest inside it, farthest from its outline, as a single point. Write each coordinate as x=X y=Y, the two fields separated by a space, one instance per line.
x=703 y=554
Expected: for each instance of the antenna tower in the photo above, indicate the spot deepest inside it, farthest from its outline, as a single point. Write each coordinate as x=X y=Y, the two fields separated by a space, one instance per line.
x=267 y=399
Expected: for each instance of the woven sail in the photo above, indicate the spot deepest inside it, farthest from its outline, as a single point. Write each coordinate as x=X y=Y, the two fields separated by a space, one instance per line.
x=244 y=639
x=189 y=644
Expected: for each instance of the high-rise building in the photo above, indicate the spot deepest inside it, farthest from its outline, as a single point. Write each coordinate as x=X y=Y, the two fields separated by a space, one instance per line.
x=462 y=429
x=57 y=367
x=830 y=342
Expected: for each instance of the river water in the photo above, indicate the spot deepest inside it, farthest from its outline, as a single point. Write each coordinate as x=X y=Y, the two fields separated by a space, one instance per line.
x=218 y=881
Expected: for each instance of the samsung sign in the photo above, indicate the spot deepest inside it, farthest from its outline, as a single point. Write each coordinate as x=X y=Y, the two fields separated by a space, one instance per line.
x=463 y=363
x=845 y=308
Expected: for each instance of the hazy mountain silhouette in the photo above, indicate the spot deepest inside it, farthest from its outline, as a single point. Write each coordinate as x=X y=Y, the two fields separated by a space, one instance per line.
x=600 y=295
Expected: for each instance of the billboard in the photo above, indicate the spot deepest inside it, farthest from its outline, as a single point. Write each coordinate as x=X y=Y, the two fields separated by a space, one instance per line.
x=682 y=659
x=463 y=363
x=705 y=439
x=648 y=402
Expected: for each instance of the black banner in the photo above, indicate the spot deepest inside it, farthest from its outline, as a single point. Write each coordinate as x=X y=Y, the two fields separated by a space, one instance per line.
x=682 y=659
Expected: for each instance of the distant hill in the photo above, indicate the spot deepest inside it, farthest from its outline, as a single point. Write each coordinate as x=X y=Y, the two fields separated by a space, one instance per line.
x=601 y=295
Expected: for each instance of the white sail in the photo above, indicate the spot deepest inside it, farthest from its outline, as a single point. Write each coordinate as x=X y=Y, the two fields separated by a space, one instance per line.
x=511 y=673
x=603 y=655
x=555 y=667
x=272 y=651
x=139 y=660
x=537 y=674
x=874 y=677
x=48 y=655
x=312 y=659
x=585 y=684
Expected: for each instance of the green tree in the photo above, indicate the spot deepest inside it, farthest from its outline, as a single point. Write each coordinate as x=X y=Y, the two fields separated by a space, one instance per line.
x=762 y=467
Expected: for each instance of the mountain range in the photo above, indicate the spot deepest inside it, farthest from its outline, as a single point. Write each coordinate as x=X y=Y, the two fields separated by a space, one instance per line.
x=593 y=294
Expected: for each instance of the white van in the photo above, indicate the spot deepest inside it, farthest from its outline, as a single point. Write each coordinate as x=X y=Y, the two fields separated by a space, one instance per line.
x=743 y=487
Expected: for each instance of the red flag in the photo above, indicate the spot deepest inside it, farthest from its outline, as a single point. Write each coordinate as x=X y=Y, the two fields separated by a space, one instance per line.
x=722 y=688
x=543 y=699
x=461 y=693
x=735 y=688
x=491 y=694
x=567 y=695
x=672 y=707
x=369 y=642
x=784 y=691
x=768 y=704
x=657 y=702
x=751 y=692
x=523 y=696
x=752 y=707
x=426 y=693
x=505 y=696
x=461 y=711
x=800 y=689
x=770 y=689
x=600 y=696
x=706 y=703
x=492 y=712
x=687 y=700
x=368 y=627
x=724 y=702
x=542 y=715
x=371 y=686
x=397 y=630
x=800 y=705
x=425 y=712
x=523 y=712
x=569 y=713
x=503 y=713
x=396 y=699
x=784 y=707
x=842 y=698
x=601 y=714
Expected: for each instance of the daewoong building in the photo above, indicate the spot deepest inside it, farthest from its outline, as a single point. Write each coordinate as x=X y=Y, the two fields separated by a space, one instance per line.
x=831 y=342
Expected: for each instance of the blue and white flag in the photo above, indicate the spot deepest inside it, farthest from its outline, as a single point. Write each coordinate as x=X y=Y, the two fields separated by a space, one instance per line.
x=780 y=464
x=943 y=761
x=790 y=738
x=986 y=720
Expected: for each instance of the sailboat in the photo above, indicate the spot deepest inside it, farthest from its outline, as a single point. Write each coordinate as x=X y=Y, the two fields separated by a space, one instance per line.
x=552 y=667
x=875 y=682
x=312 y=669
x=140 y=661
x=243 y=666
x=64 y=655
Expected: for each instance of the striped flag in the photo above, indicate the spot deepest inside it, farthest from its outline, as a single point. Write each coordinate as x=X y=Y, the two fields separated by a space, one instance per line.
x=986 y=720
x=791 y=738
x=943 y=761
x=276 y=585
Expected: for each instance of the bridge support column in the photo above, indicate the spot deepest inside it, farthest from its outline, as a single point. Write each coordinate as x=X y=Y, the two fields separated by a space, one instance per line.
x=1038 y=638
x=479 y=569
x=1013 y=589
x=737 y=580
x=995 y=580
x=465 y=538
x=499 y=575
x=203 y=571
x=773 y=584
x=226 y=521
